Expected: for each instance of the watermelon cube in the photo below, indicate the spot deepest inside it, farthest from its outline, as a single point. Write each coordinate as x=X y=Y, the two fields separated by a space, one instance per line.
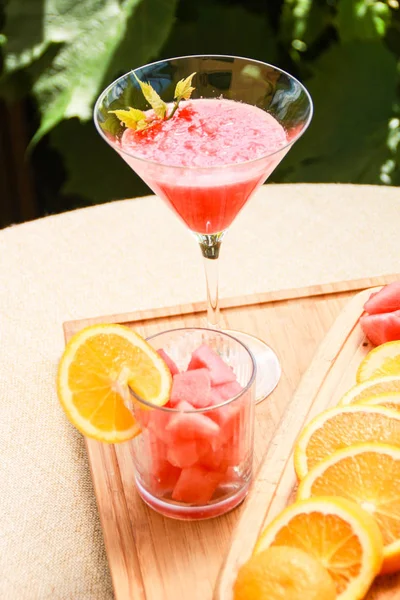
x=168 y=361
x=206 y=357
x=233 y=453
x=159 y=474
x=157 y=422
x=164 y=479
x=183 y=453
x=192 y=387
x=192 y=426
x=232 y=477
x=226 y=391
x=196 y=485
x=211 y=459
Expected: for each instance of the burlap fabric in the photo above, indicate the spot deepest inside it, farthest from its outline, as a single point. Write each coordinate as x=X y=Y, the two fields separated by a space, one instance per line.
x=121 y=257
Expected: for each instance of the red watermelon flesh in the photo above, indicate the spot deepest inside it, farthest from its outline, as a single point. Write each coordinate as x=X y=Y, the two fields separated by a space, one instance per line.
x=192 y=426
x=234 y=453
x=230 y=420
x=168 y=361
x=158 y=421
x=183 y=454
x=227 y=390
x=211 y=459
x=163 y=480
x=161 y=475
x=142 y=415
x=196 y=485
x=206 y=357
x=192 y=387
x=231 y=476
x=386 y=300
x=381 y=328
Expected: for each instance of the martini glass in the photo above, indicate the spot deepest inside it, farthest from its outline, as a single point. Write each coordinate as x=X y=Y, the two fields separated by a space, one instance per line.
x=208 y=199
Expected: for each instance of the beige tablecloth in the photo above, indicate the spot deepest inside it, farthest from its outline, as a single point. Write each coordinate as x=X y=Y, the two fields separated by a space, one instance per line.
x=121 y=257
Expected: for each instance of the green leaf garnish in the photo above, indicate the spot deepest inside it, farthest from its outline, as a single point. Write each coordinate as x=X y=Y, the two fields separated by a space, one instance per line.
x=158 y=105
x=132 y=118
x=184 y=88
x=137 y=119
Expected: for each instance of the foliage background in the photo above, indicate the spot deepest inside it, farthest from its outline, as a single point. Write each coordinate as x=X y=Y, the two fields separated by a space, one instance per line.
x=57 y=55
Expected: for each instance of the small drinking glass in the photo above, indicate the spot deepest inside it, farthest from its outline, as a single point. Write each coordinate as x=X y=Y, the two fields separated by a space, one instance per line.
x=196 y=463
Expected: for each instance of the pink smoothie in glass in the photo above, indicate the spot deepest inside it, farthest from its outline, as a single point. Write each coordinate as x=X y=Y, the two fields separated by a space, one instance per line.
x=207 y=159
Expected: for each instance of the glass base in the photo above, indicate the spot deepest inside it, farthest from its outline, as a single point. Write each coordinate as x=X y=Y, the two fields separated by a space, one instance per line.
x=268 y=366
x=185 y=512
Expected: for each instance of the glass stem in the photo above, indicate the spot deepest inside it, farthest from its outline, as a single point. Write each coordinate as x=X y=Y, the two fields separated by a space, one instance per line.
x=210 y=245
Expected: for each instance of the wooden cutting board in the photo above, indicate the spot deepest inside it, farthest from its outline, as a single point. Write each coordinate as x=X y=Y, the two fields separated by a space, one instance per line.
x=155 y=558
x=331 y=373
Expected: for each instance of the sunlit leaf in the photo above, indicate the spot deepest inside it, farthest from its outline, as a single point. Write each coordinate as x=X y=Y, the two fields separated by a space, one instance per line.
x=184 y=88
x=132 y=117
x=88 y=35
x=362 y=19
x=304 y=21
x=353 y=90
x=156 y=103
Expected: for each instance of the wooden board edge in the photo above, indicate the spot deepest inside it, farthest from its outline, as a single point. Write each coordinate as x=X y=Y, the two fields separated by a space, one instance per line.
x=277 y=458
x=71 y=327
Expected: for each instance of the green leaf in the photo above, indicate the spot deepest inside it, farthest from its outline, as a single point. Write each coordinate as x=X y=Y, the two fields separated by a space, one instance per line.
x=132 y=118
x=303 y=22
x=362 y=19
x=147 y=30
x=211 y=27
x=184 y=88
x=112 y=125
x=95 y=173
x=353 y=90
x=88 y=35
x=158 y=105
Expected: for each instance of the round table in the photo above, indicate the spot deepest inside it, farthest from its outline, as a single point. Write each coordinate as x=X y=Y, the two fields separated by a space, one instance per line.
x=120 y=257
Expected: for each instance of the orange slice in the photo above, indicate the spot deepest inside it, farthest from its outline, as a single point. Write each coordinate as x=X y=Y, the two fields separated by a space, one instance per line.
x=368 y=474
x=382 y=361
x=371 y=387
x=93 y=376
x=344 y=426
x=391 y=401
x=338 y=533
x=283 y=573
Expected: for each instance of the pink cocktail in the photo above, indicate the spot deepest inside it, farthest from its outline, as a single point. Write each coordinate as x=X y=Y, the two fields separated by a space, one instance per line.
x=207 y=133
x=206 y=157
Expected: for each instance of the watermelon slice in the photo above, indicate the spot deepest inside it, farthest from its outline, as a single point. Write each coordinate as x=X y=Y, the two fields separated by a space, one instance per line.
x=192 y=387
x=386 y=300
x=168 y=361
x=206 y=357
x=196 y=485
x=192 y=426
x=381 y=328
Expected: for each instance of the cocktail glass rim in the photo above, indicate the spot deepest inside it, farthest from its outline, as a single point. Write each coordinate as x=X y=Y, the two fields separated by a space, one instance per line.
x=212 y=407
x=212 y=167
